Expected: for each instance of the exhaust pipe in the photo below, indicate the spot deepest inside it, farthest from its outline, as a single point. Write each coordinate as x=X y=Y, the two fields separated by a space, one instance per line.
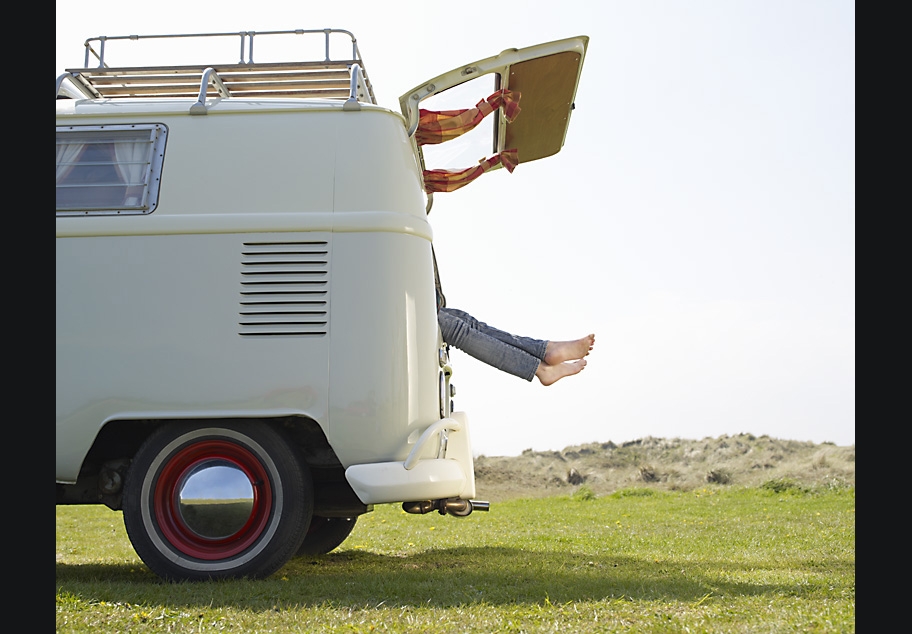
x=452 y=506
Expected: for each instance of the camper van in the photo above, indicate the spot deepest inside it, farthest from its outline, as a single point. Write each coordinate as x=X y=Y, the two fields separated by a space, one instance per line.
x=248 y=353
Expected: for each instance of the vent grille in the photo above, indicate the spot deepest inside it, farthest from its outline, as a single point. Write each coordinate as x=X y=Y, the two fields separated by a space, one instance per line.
x=284 y=289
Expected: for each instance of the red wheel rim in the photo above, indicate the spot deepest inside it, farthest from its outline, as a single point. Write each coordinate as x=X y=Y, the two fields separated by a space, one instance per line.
x=165 y=500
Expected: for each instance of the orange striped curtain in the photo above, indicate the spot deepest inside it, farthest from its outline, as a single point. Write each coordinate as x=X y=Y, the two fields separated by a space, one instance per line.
x=451 y=180
x=437 y=127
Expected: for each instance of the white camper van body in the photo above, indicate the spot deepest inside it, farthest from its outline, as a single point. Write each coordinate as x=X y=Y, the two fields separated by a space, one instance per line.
x=248 y=323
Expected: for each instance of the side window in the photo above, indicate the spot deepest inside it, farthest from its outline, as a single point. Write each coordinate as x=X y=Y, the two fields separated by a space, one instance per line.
x=112 y=169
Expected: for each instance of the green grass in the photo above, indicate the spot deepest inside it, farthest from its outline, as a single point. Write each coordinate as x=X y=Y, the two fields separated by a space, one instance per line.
x=775 y=559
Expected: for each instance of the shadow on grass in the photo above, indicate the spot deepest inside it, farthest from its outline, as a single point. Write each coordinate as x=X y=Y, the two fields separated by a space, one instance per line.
x=441 y=578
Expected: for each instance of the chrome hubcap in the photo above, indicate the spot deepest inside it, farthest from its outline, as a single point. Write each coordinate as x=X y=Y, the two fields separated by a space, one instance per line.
x=215 y=499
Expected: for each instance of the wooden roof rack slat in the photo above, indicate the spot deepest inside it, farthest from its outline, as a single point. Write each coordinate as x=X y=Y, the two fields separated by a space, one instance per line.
x=101 y=80
x=342 y=65
x=235 y=89
x=172 y=92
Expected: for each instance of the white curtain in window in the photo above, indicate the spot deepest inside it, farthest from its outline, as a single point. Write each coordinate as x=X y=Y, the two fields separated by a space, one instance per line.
x=132 y=162
x=67 y=153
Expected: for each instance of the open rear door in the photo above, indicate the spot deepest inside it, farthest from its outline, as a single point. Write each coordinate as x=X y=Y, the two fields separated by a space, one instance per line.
x=533 y=96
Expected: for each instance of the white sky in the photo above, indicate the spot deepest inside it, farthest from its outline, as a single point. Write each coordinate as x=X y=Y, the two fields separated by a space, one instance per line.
x=700 y=218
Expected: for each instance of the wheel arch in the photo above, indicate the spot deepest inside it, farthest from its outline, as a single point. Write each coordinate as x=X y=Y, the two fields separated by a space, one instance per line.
x=105 y=465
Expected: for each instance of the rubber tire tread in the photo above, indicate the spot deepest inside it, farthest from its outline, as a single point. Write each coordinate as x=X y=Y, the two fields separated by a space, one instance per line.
x=328 y=534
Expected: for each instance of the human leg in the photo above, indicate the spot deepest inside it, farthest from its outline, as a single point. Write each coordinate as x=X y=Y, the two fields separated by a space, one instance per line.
x=519 y=356
x=551 y=352
x=524 y=357
x=536 y=347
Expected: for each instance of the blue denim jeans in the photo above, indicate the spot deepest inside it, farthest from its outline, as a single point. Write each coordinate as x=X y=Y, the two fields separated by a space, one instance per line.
x=519 y=356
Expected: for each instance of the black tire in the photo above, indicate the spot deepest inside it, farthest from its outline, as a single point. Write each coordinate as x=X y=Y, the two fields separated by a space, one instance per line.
x=326 y=534
x=217 y=501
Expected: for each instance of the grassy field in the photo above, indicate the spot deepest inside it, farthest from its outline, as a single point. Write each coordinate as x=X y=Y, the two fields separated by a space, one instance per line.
x=778 y=558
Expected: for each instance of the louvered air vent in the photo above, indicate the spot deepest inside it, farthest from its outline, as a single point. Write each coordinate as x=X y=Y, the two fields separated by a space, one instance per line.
x=284 y=289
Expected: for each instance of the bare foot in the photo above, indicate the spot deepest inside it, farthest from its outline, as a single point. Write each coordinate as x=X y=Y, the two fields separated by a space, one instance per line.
x=549 y=374
x=560 y=351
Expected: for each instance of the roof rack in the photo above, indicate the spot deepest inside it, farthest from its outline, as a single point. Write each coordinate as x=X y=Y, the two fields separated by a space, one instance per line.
x=325 y=78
